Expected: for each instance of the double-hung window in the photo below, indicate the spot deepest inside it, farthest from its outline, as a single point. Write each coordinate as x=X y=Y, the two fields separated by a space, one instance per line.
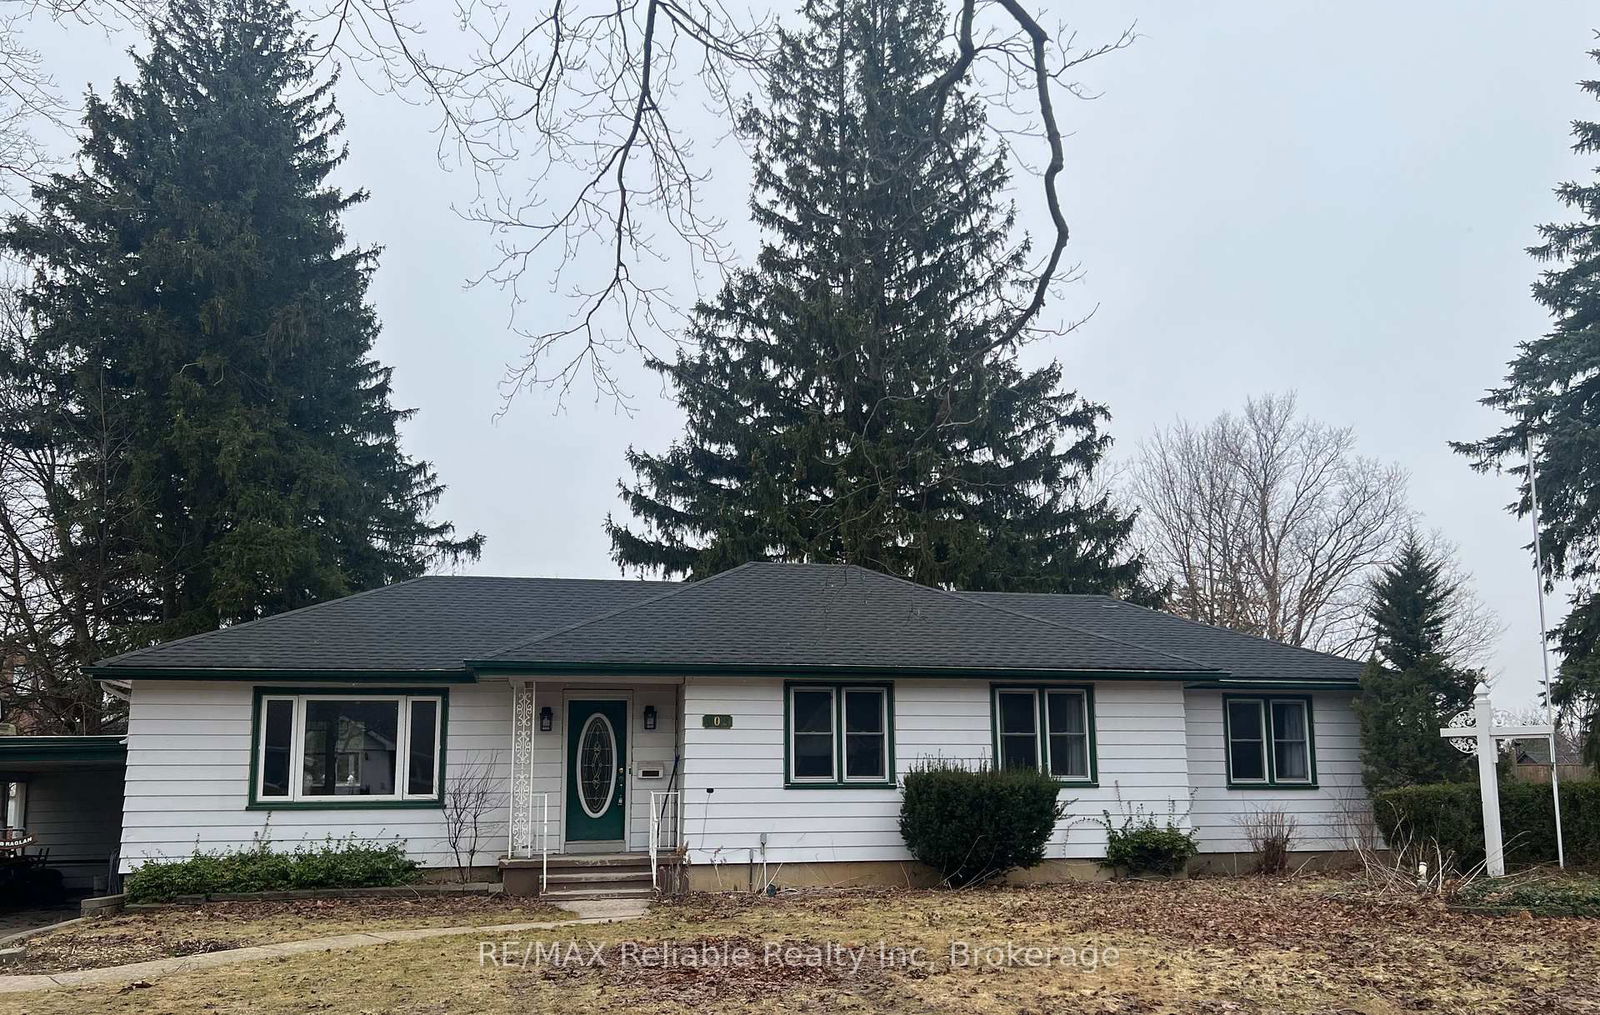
x=344 y=748
x=1269 y=742
x=1048 y=728
x=839 y=735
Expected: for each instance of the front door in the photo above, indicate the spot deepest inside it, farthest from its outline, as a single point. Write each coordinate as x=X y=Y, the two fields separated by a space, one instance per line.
x=597 y=766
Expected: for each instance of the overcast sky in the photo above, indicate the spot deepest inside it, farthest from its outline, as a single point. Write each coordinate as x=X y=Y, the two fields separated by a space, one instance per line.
x=1267 y=196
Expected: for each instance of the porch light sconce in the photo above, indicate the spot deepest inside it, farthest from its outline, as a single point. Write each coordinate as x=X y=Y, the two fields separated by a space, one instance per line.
x=649 y=717
x=547 y=719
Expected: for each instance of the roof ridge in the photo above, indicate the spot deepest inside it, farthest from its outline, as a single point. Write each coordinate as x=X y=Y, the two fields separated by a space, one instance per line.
x=959 y=597
x=1232 y=632
x=681 y=587
x=962 y=597
x=121 y=658
x=1229 y=631
x=1078 y=630
x=535 y=578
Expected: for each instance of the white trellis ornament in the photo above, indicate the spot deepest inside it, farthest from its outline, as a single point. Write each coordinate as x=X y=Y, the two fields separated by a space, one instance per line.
x=1486 y=732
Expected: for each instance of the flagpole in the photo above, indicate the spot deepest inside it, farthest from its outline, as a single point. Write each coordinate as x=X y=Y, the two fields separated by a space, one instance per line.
x=1544 y=653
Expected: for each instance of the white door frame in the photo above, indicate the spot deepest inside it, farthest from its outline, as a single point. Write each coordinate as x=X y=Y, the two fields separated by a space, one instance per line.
x=569 y=695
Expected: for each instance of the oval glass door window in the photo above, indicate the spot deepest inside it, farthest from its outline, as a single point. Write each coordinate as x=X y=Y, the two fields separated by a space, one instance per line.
x=597 y=765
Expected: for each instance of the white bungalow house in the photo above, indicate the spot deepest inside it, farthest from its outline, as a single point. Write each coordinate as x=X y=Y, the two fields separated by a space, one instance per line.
x=753 y=725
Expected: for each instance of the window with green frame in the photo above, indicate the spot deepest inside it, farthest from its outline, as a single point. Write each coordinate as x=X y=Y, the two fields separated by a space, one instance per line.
x=1050 y=728
x=838 y=735
x=1268 y=742
x=347 y=748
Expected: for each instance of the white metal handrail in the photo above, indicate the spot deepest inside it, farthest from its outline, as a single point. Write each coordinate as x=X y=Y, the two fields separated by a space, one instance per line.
x=663 y=830
x=544 y=842
x=530 y=833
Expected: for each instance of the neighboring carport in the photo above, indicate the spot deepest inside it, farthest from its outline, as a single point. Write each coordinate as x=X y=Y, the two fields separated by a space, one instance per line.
x=64 y=796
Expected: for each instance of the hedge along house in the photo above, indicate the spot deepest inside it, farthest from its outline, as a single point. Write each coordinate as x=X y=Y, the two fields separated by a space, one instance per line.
x=757 y=720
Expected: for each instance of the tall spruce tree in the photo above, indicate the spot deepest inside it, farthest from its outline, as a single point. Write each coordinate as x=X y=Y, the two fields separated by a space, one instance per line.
x=848 y=399
x=203 y=340
x=1552 y=394
x=1411 y=687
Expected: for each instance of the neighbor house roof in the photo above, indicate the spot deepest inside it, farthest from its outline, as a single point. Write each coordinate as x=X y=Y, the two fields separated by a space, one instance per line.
x=1536 y=750
x=49 y=753
x=1245 y=657
x=757 y=618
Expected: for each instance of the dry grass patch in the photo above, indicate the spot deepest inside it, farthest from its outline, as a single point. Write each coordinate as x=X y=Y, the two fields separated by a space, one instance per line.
x=1219 y=945
x=216 y=926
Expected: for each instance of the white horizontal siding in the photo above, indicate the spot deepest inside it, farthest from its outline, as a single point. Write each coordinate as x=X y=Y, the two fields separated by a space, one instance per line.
x=188 y=777
x=1143 y=768
x=733 y=778
x=1328 y=817
x=1159 y=752
x=73 y=815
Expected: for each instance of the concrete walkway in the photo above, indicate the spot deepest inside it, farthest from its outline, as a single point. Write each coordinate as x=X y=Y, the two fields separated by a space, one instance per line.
x=600 y=911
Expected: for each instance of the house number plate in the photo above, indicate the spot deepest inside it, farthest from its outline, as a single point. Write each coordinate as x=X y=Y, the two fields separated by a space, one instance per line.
x=717 y=722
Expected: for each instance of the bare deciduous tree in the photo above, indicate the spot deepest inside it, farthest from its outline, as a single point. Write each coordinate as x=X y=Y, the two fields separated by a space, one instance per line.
x=31 y=107
x=473 y=791
x=58 y=598
x=1269 y=523
x=25 y=97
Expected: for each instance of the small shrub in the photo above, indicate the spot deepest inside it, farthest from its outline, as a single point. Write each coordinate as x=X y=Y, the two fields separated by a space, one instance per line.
x=1141 y=846
x=972 y=825
x=1270 y=832
x=1451 y=815
x=332 y=863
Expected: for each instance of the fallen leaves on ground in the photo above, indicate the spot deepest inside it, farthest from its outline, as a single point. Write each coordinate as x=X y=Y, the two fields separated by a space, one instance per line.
x=176 y=931
x=1216 y=946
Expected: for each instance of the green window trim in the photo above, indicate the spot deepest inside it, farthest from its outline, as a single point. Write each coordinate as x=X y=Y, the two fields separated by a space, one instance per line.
x=406 y=695
x=839 y=691
x=1042 y=732
x=1270 y=738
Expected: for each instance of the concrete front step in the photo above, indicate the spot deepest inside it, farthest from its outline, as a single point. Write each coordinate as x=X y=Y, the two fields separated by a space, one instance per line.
x=588 y=861
x=588 y=873
x=567 y=894
x=598 y=859
x=574 y=877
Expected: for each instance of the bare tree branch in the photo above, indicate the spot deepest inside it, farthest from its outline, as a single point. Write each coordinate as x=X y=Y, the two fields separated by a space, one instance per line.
x=55 y=591
x=1039 y=62
x=577 y=120
x=572 y=116
x=32 y=110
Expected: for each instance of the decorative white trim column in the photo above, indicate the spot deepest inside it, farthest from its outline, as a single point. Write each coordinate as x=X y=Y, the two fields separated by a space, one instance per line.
x=524 y=723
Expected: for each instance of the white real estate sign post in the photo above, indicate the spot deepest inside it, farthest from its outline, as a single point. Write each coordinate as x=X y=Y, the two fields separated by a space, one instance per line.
x=1487 y=735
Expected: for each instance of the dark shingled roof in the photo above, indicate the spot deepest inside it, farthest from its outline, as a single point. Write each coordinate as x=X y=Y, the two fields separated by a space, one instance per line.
x=432 y=623
x=759 y=617
x=1244 y=656
x=825 y=616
